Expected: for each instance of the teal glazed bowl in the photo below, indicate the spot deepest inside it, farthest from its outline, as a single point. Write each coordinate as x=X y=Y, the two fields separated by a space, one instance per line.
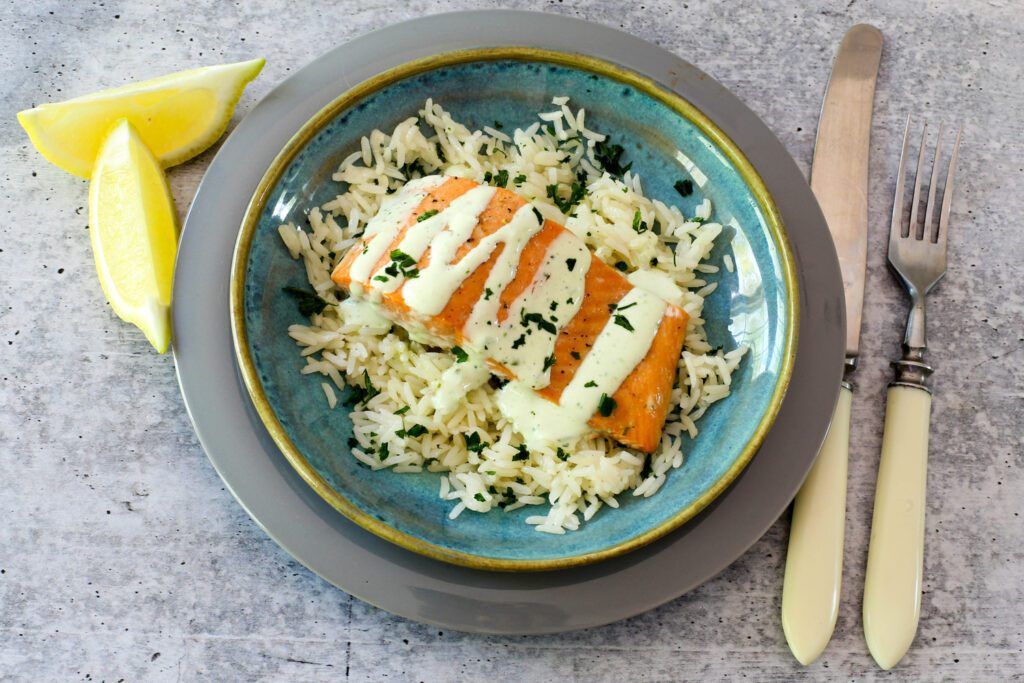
x=755 y=306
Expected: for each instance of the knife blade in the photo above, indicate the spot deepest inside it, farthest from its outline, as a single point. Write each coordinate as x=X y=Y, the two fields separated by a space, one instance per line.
x=839 y=180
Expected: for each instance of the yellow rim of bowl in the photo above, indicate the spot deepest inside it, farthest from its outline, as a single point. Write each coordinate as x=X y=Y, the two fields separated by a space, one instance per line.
x=585 y=63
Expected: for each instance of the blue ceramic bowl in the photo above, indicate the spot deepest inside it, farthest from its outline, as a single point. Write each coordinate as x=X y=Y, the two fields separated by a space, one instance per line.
x=754 y=306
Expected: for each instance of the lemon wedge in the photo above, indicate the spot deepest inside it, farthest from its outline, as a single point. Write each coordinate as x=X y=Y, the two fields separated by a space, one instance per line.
x=177 y=116
x=134 y=232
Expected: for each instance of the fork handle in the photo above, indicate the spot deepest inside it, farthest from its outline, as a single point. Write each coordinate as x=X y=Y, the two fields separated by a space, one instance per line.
x=892 y=586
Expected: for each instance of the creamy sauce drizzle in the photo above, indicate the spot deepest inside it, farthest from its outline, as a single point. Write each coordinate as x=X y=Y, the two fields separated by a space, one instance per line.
x=616 y=352
x=524 y=342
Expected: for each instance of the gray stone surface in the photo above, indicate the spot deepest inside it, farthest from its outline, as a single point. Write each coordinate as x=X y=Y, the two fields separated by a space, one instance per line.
x=123 y=557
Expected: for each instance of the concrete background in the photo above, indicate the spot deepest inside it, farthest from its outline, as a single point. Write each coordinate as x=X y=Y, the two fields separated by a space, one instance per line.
x=122 y=557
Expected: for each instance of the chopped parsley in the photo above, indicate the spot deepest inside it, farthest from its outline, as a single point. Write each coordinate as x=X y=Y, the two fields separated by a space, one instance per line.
x=460 y=355
x=548 y=362
x=501 y=178
x=369 y=390
x=543 y=324
x=540 y=217
x=562 y=455
x=473 y=442
x=479 y=496
x=623 y=321
x=519 y=179
x=610 y=158
x=615 y=307
x=417 y=430
x=413 y=167
x=606 y=405
x=381 y=278
x=590 y=384
x=570 y=263
x=308 y=302
x=522 y=453
x=639 y=225
x=684 y=187
x=400 y=261
x=553 y=306
x=440 y=152
x=382 y=452
x=425 y=215
x=402 y=411
x=577 y=191
x=488 y=293
x=621 y=266
x=519 y=341
x=575 y=354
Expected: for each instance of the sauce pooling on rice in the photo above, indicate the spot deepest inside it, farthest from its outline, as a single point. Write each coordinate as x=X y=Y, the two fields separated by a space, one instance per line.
x=477 y=266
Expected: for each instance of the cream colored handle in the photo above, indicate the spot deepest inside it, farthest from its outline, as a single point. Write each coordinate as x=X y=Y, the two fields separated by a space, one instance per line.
x=892 y=586
x=814 y=562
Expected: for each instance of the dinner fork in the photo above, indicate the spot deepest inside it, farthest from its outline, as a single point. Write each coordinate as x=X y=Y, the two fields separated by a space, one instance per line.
x=917 y=255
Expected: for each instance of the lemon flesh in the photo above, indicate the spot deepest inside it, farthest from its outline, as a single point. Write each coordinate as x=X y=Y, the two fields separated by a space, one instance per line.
x=134 y=232
x=178 y=116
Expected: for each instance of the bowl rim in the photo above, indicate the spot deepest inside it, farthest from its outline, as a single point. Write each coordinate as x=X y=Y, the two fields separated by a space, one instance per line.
x=583 y=62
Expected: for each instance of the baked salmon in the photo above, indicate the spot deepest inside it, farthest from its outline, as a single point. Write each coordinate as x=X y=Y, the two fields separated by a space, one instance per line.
x=479 y=267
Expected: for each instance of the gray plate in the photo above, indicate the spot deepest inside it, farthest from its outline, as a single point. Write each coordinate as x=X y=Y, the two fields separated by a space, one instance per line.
x=414 y=586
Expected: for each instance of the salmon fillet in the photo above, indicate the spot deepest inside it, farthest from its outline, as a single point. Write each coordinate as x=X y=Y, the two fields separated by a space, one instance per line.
x=635 y=415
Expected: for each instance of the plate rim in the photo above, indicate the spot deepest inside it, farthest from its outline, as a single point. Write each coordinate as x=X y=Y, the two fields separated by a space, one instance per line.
x=409 y=585
x=351 y=96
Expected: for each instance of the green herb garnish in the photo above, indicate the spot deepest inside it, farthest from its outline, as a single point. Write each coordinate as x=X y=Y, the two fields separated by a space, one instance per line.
x=519 y=179
x=479 y=496
x=425 y=215
x=590 y=384
x=561 y=454
x=543 y=324
x=570 y=263
x=382 y=452
x=473 y=442
x=488 y=293
x=576 y=193
x=609 y=156
x=501 y=178
x=540 y=217
x=402 y=411
x=575 y=354
x=606 y=405
x=548 y=362
x=308 y=302
x=621 y=266
x=639 y=225
x=522 y=453
x=684 y=187
x=622 y=321
x=460 y=355
x=417 y=430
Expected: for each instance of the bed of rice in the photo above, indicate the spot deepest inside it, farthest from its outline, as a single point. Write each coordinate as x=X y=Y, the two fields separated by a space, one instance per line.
x=557 y=149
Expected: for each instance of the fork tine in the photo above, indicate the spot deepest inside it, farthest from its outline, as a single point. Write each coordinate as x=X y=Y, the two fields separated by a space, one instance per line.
x=947 y=192
x=912 y=229
x=896 y=226
x=928 y=232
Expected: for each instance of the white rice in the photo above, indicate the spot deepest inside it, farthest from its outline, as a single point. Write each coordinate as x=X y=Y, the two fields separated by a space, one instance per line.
x=389 y=426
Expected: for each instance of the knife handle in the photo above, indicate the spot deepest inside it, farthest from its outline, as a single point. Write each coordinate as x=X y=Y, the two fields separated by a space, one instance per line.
x=892 y=586
x=814 y=561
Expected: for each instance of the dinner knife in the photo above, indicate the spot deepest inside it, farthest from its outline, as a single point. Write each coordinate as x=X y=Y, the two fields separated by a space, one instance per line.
x=839 y=180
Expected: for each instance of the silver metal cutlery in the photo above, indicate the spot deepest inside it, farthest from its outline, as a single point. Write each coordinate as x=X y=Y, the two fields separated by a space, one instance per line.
x=917 y=255
x=839 y=179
